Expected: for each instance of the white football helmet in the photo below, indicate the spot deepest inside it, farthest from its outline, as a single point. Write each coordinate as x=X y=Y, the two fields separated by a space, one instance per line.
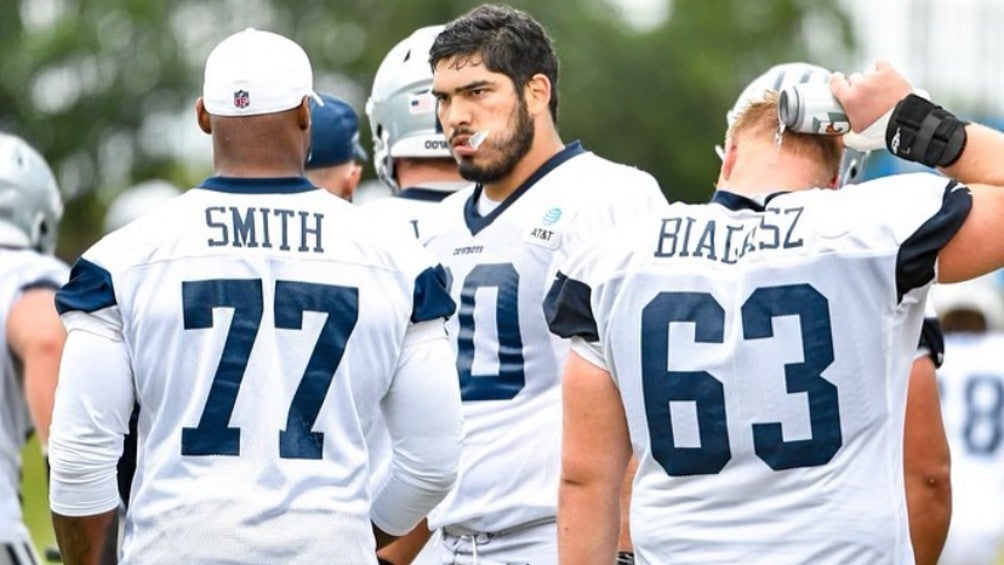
x=137 y=200
x=30 y=203
x=401 y=107
x=779 y=77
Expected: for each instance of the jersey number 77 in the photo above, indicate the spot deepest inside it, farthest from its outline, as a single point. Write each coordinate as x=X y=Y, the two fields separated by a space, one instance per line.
x=213 y=436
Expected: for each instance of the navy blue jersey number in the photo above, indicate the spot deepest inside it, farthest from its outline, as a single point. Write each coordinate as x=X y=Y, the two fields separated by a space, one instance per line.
x=661 y=386
x=510 y=378
x=213 y=436
x=984 y=414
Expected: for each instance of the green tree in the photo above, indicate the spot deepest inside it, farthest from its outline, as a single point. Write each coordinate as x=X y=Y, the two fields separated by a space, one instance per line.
x=101 y=86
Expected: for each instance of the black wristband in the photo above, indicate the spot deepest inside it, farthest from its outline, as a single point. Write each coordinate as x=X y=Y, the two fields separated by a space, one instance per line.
x=922 y=131
x=625 y=558
x=382 y=561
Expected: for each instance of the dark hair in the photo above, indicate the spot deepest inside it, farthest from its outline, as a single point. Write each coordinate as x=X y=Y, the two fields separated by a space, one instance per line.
x=508 y=40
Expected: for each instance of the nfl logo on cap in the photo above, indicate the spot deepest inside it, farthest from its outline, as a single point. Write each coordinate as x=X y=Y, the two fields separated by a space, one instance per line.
x=242 y=99
x=271 y=66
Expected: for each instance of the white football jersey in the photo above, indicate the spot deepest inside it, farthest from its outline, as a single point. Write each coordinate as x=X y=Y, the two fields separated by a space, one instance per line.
x=501 y=265
x=264 y=322
x=762 y=351
x=19 y=270
x=972 y=402
x=412 y=207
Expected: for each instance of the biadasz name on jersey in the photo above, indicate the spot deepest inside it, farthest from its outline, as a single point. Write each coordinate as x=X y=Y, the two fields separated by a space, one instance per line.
x=701 y=237
x=264 y=227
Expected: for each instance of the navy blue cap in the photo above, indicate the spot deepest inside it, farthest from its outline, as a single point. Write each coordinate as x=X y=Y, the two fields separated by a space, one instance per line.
x=334 y=134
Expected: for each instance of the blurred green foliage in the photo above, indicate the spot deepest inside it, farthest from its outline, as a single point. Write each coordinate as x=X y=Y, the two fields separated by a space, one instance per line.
x=103 y=87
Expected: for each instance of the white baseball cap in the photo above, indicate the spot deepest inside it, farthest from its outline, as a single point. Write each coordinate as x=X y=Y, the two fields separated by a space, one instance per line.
x=256 y=72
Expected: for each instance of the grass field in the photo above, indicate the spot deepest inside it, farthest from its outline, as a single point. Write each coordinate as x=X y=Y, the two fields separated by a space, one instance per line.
x=35 y=493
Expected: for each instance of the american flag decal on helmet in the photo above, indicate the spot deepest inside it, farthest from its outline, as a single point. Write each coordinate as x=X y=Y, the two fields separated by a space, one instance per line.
x=242 y=99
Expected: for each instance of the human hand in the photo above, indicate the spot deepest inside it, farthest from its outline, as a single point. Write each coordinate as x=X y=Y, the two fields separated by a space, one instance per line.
x=867 y=97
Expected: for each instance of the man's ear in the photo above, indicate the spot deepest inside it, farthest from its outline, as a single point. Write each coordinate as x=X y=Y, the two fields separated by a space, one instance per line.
x=728 y=160
x=202 y=116
x=303 y=114
x=537 y=94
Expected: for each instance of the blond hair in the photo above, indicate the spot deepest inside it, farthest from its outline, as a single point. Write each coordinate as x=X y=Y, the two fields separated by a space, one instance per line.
x=760 y=120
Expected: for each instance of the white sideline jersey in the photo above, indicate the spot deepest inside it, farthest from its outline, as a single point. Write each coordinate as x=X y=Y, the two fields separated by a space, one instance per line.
x=20 y=269
x=972 y=399
x=413 y=207
x=762 y=352
x=265 y=323
x=501 y=265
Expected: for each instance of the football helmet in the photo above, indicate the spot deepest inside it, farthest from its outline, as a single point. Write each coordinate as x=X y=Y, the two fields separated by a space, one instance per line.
x=779 y=77
x=401 y=107
x=30 y=203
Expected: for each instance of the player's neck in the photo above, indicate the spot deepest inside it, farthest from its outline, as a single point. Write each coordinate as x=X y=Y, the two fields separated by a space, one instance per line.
x=259 y=156
x=773 y=171
x=546 y=144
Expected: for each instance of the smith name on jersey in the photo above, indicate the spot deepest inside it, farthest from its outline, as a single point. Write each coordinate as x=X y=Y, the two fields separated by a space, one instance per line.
x=500 y=265
x=762 y=351
x=264 y=321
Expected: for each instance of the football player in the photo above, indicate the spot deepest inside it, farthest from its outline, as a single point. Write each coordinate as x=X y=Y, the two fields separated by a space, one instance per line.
x=410 y=153
x=925 y=450
x=260 y=324
x=753 y=352
x=534 y=201
x=335 y=159
x=30 y=210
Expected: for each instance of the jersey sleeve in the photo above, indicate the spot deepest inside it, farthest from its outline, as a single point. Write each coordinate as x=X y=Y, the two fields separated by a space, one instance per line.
x=431 y=297
x=423 y=414
x=921 y=212
x=915 y=265
x=89 y=420
x=625 y=195
x=46 y=272
x=88 y=301
x=932 y=341
x=570 y=306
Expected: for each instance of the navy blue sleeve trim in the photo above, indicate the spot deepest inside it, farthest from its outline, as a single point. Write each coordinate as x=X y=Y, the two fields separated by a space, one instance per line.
x=915 y=261
x=568 y=310
x=932 y=338
x=41 y=284
x=432 y=296
x=90 y=288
